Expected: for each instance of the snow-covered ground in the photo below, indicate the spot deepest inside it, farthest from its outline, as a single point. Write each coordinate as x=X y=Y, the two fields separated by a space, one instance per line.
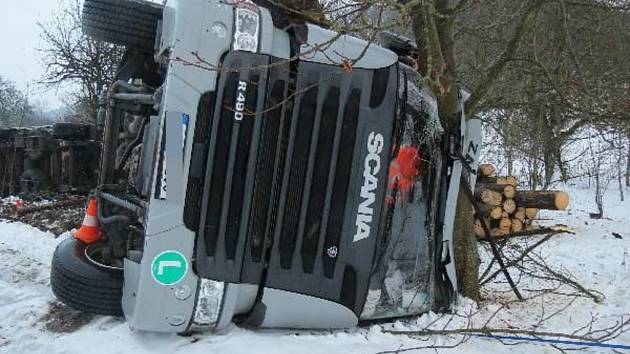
x=593 y=256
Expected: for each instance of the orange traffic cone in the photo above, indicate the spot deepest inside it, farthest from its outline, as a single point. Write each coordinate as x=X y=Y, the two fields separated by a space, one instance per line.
x=89 y=231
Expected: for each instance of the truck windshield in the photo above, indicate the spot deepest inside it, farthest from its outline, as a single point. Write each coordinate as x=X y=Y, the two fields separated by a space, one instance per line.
x=404 y=273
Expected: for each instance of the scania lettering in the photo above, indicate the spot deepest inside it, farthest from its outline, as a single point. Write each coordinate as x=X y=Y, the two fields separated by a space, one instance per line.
x=372 y=166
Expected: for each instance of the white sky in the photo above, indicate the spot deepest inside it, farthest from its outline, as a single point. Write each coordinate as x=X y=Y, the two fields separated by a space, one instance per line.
x=19 y=36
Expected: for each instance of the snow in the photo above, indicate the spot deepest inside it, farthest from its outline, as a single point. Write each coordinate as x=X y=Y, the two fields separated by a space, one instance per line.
x=593 y=256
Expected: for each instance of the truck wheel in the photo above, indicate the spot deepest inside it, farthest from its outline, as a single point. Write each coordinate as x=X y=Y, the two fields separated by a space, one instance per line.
x=82 y=283
x=131 y=23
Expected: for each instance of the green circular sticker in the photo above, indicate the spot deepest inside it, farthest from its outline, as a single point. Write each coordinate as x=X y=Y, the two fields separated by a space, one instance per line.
x=169 y=267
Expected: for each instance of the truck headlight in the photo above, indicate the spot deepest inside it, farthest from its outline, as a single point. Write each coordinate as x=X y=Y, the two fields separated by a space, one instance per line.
x=208 y=306
x=247 y=28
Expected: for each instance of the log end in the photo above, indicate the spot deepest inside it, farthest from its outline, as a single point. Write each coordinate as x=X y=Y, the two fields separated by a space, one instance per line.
x=561 y=200
x=509 y=191
x=486 y=169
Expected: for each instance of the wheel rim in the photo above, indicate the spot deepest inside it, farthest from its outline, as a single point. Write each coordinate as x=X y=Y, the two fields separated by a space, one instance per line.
x=94 y=254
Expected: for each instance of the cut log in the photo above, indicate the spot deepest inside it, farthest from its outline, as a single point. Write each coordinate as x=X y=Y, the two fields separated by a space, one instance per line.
x=504 y=214
x=552 y=200
x=498 y=232
x=520 y=214
x=531 y=213
x=507 y=190
x=479 y=229
x=491 y=211
x=505 y=224
x=511 y=180
x=486 y=169
x=517 y=225
x=509 y=205
x=489 y=197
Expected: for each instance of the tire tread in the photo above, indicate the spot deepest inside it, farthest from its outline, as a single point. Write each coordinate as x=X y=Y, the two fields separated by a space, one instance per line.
x=100 y=295
x=131 y=23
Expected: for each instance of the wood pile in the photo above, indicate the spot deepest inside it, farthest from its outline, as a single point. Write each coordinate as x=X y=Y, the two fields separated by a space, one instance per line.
x=506 y=208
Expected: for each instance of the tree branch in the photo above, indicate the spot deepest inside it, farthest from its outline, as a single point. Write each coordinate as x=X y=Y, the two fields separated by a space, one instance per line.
x=496 y=69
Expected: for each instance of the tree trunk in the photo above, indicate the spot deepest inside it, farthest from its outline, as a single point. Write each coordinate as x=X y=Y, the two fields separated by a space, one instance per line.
x=533 y=175
x=510 y=160
x=619 y=170
x=599 y=194
x=564 y=172
x=549 y=161
x=436 y=61
x=466 y=254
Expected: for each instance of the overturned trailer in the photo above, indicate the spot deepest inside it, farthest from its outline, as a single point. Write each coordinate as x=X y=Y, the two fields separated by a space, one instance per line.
x=62 y=157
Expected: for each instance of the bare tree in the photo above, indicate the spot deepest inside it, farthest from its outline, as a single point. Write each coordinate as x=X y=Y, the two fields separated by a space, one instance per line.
x=14 y=107
x=71 y=57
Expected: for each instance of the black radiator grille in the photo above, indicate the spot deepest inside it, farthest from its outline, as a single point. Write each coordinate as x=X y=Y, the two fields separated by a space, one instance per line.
x=316 y=251
x=239 y=175
x=298 y=164
x=194 y=192
x=264 y=170
x=278 y=189
x=220 y=164
x=325 y=142
x=342 y=180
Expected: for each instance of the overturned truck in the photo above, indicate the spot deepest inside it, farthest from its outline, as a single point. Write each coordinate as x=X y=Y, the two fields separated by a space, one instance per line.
x=263 y=171
x=58 y=158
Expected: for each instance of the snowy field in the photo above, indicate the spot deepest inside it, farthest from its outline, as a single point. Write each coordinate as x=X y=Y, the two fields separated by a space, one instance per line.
x=32 y=322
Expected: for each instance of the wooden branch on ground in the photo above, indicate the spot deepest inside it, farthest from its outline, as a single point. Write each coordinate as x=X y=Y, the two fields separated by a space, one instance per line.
x=554 y=230
x=62 y=204
x=490 y=331
x=598 y=298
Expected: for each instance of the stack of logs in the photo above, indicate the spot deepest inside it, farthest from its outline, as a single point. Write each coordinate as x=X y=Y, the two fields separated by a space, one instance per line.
x=508 y=210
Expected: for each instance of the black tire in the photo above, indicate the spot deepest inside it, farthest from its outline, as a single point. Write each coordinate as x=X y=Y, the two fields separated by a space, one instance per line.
x=71 y=131
x=81 y=284
x=131 y=23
